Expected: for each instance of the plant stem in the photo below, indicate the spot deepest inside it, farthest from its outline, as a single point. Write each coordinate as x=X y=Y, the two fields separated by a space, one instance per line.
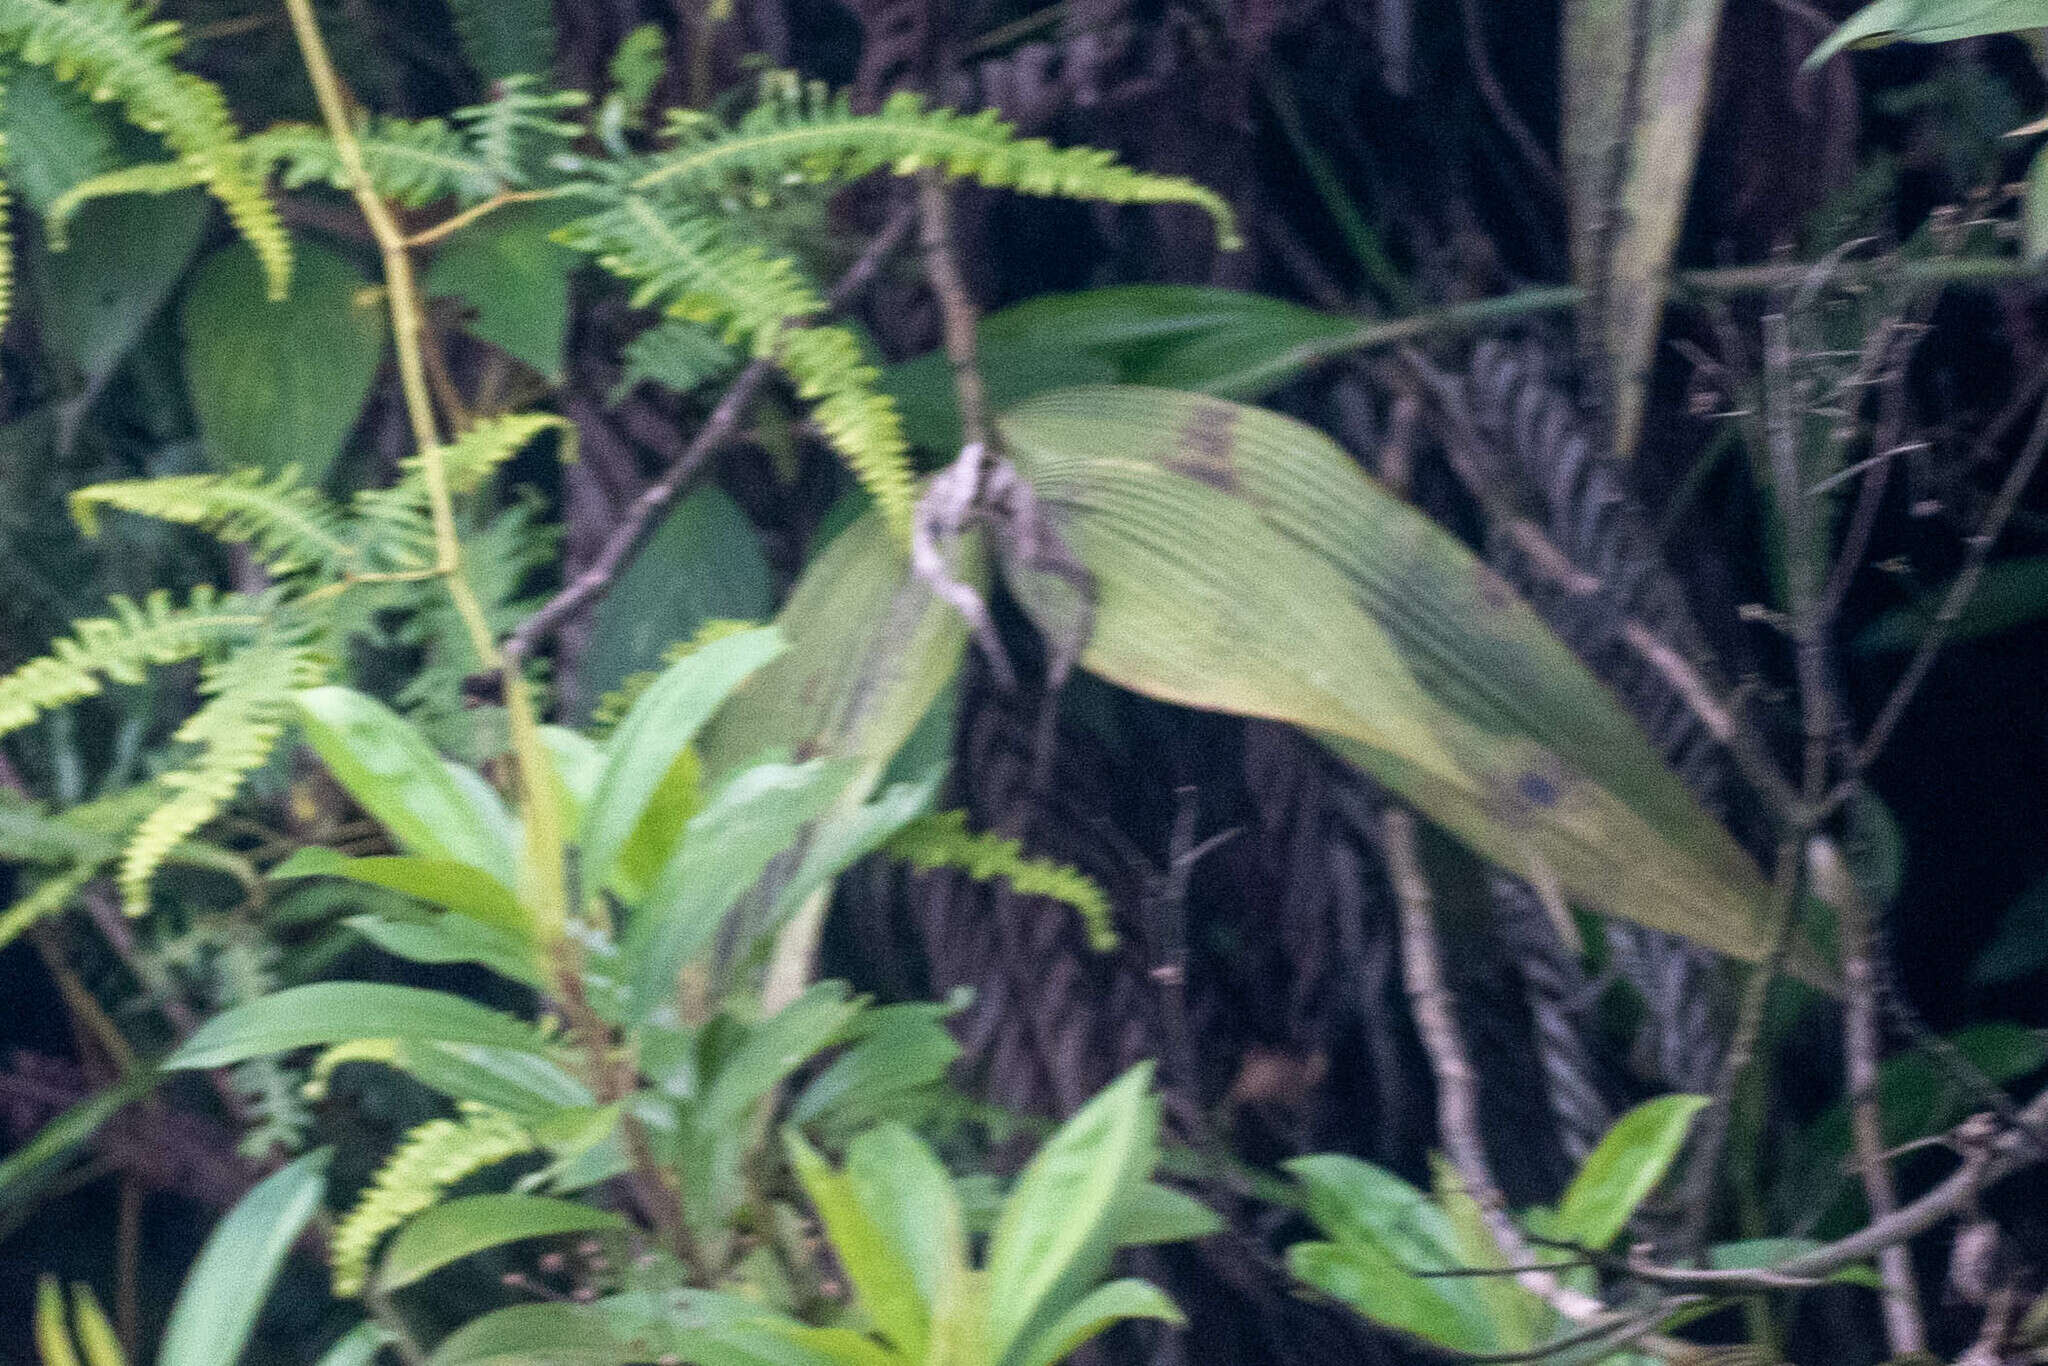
x=543 y=871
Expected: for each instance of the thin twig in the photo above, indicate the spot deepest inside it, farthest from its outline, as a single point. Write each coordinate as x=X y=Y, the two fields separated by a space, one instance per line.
x=956 y=307
x=1958 y=597
x=719 y=428
x=1533 y=156
x=1905 y=1330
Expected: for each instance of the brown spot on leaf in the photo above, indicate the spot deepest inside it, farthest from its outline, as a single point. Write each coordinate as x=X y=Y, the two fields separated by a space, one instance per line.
x=1204 y=445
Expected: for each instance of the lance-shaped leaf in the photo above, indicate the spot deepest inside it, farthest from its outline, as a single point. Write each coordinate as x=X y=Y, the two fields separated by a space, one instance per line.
x=1244 y=563
x=1930 y=21
x=1636 y=76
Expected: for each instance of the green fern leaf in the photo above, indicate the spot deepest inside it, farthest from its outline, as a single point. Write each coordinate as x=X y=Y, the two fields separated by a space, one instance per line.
x=251 y=693
x=515 y=133
x=115 y=50
x=418 y=1173
x=47 y=898
x=287 y=526
x=799 y=131
x=390 y=528
x=151 y=177
x=686 y=266
x=942 y=840
x=412 y=161
x=120 y=647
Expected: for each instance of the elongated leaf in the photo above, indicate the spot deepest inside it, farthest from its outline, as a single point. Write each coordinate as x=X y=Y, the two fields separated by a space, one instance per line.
x=218 y=1304
x=439 y=882
x=1151 y=1214
x=1060 y=1208
x=536 y=1335
x=96 y=1335
x=280 y=383
x=902 y=1048
x=331 y=1012
x=1377 y=630
x=452 y=939
x=1636 y=80
x=460 y=1228
x=661 y=723
x=1102 y=1308
x=53 y=1325
x=357 y=1347
x=909 y=1195
x=879 y=1267
x=1368 y=1279
x=773 y=1049
x=520 y=1083
x=1630 y=1160
x=388 y=767
x=21 y=1169
x=726 y=847
x=2011 y=593
x=1929 y=21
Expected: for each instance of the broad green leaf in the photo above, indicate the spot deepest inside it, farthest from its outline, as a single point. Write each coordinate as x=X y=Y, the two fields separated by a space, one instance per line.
x=901 y=1048
x=460 y=1228
x=725 y=849
x=536 y=1335
x=442 y=882
x=2010 y=593
x=660 y=724
x=277 y=384
x=703 y=562
x=125 y=257
x=2020 y=948
x=1624 y=1168
x=452 y=939
x=1102 y=1308
x=884 y=1278
x=1059 y=1211
x=1375 y=629
x=850 y=833
x=516 y=1081
x=388 y=767
x=1930 y=21
x=226 y=1288
x=1518 y=1318
x=1357 y=1202
x=1151 y=1214
x=332 y=1012
x=512 y=271
x=55 y=135
x=774 y=1048
x=908 y=1194
x=506 y=37
x=1635 y=88
x=1367 y=1278
x=578 y=763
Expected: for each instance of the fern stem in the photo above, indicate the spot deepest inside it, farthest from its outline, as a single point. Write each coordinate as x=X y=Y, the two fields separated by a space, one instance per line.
x=456 y=222
x=543 y=865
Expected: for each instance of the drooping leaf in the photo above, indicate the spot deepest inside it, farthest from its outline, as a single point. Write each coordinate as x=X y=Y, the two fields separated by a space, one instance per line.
x=703 y=562
x=1060 y=1209
x=453 y=940
x=218 y=1304
x=1624 y=1168
x=901 y=1049
x=1635 y=77
x=331 y=1012
x=460 y=1228
x=1377 y=630
x=279 y=383
x=388 y=767
x=1929 y=21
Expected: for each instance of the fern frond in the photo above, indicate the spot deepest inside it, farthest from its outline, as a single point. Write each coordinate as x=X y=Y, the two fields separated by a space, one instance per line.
x=687 y=267
x=120 y=647
x=150 y=177
x=942 y=840
x=115 y=50
x=390 y=528
x=675 y=354
x=288 y=526
x=800 y=132
x=349 y=1050
x=425 y=1164
x=412 y=161
x=475 y=456
x=515 y=132
x=251 y=693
